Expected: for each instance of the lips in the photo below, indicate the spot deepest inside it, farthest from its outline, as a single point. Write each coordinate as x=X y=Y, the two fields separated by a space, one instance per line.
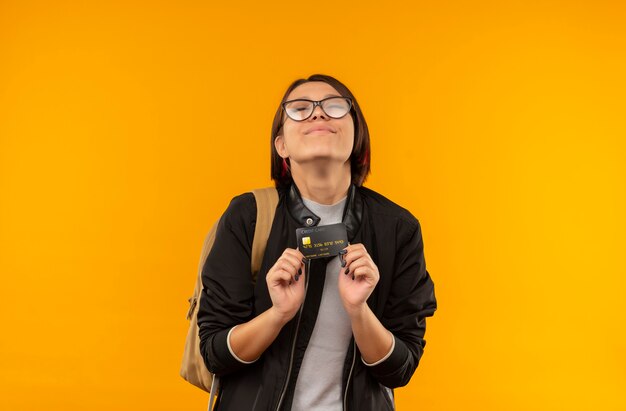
x=320 y=128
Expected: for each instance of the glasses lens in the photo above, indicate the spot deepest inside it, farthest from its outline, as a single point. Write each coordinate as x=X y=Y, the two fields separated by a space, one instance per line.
x=336 y=107
x=299 y=110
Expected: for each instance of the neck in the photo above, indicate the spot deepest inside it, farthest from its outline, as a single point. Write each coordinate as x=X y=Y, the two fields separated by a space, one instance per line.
x=322 y=183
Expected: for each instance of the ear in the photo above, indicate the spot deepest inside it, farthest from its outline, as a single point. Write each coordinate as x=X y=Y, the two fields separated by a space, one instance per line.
x=281 y=148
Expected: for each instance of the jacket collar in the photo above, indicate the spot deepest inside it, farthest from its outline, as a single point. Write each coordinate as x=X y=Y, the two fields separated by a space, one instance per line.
x=352 y=212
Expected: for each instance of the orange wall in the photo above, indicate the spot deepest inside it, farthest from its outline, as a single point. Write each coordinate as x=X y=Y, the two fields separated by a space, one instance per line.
x=126 y=127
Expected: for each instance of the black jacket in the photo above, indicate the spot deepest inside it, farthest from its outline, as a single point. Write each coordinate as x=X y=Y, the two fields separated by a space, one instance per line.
x=402 y=299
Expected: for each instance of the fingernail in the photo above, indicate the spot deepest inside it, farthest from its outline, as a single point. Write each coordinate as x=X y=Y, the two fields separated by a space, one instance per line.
x=348 y=270
x=342 y=252
x=343 y=263
x=297 y=277
x=353 y=277
x=299 y=271
x=290 y=282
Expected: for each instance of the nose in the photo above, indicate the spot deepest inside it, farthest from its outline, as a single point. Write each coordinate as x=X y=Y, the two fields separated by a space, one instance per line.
x=318 y=109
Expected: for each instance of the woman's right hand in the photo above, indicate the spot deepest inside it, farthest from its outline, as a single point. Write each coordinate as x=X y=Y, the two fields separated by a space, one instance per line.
x=285 y=282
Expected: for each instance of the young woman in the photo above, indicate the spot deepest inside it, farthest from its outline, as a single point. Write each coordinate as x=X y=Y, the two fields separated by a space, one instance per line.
x=320 y=334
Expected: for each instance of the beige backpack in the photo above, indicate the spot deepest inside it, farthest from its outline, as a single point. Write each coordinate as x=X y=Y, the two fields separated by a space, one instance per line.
x=192 y=368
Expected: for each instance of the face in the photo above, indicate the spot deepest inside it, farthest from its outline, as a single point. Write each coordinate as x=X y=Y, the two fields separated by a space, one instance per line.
x=319 y=137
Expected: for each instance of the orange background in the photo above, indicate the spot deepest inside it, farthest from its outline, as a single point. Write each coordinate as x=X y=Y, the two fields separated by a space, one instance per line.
x=126 y=127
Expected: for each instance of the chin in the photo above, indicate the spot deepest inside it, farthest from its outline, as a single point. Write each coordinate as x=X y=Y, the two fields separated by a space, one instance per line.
x=327 y=157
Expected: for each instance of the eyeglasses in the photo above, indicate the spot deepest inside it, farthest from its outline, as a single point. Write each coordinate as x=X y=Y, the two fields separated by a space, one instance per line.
x=301 y=109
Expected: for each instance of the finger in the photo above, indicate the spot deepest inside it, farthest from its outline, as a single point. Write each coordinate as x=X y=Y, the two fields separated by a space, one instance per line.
x=299 y=277
x=301 y=260
x=365 y=273
x=342 y=255
x=362 y=262
x=360 y=274
x=289 y=263
x=351 y=267
x=297 y=260
x=294 y=252
x=356 y=246
x=279 y=276
x=354 y=255
x=286 y=265
x=292 y=259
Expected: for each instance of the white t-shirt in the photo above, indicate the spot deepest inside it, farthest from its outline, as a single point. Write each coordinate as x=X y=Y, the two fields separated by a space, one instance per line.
x=319 y=386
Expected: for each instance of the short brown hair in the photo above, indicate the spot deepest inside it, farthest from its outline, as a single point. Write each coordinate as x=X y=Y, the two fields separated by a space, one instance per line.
x=360 y=157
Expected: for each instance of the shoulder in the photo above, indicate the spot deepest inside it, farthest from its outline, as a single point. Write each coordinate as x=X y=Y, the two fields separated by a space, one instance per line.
x=241 y=211
x=386 y=212
x=242 y=203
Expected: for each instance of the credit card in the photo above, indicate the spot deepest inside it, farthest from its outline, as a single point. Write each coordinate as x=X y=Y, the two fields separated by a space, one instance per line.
x=322 y=241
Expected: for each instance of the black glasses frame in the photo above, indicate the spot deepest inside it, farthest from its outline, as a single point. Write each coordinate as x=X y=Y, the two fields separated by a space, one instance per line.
x=315 y=104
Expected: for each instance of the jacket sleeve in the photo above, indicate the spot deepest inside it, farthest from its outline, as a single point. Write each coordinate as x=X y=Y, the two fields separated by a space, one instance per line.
x=411 y=300
x=227 y=297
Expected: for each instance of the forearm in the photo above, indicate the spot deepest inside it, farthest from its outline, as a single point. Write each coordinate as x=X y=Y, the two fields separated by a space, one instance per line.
x=249 y=340
x=372 y=338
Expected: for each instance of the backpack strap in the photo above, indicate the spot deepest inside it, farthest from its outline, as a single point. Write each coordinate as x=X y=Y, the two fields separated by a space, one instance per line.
x=266 y=202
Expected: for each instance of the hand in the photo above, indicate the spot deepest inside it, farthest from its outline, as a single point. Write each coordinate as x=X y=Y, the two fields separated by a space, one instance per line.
x=357 y=279
x=285 y=283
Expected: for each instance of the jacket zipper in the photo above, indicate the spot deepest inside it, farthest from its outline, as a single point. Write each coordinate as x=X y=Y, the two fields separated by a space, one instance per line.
x=295 y=338
x=345 y=394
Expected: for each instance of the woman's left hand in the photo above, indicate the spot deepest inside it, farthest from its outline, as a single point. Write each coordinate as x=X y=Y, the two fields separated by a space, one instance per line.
x=357 y=285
